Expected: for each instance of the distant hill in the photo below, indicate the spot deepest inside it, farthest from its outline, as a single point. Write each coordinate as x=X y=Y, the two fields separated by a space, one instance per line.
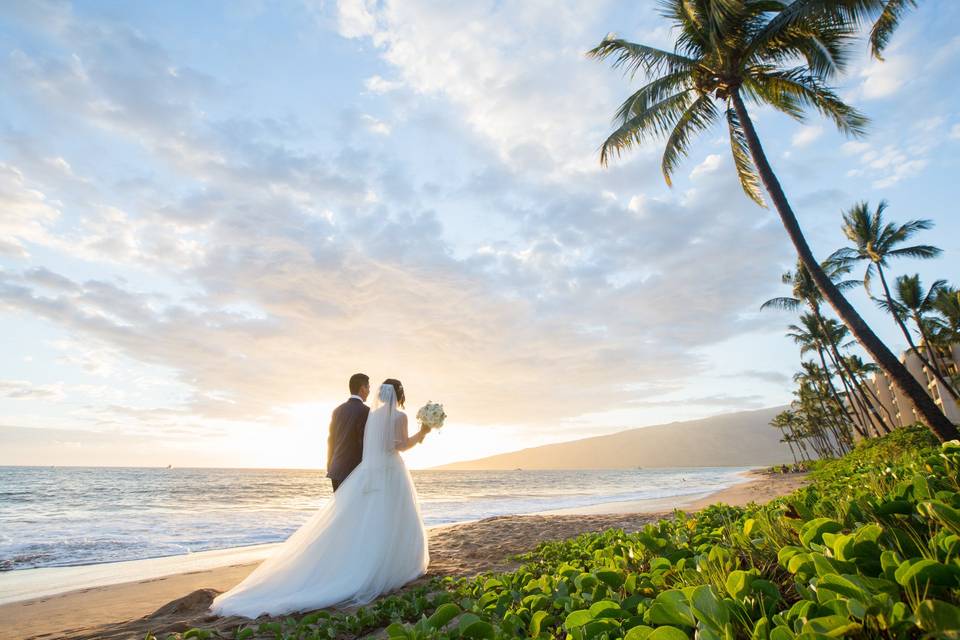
x=737 y=439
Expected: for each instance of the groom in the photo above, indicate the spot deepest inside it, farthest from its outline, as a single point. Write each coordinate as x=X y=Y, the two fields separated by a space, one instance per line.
x=345 y=444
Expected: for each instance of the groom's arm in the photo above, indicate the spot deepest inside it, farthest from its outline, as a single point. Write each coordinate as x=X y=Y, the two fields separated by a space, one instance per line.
x=331 y=439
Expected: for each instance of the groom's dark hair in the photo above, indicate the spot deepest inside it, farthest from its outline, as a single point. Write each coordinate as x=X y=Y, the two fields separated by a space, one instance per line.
x=358 y=380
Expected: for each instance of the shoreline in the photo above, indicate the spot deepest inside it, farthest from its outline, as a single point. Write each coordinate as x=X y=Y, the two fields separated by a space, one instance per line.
x=28 y=584
x=128 y=608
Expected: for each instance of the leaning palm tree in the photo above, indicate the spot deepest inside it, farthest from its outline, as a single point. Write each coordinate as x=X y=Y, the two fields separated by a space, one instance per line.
x=728 y=52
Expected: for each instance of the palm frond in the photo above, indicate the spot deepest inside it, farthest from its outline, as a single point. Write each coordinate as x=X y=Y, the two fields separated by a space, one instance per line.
x=791 y=90
x=633 y=57
x=922 y=251
x=697 y=118
x=657 y=120
x=651 y=93
x=886 y=23
x=742 y=160
x=786 y=304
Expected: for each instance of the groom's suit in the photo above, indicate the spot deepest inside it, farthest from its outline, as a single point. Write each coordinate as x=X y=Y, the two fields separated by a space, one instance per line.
x=345 y=443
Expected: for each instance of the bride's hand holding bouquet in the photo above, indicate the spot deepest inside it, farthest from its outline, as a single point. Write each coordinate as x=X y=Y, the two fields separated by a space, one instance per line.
x=431 y=416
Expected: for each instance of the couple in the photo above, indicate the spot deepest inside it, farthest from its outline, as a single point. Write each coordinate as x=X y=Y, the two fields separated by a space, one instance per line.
x=368 y=539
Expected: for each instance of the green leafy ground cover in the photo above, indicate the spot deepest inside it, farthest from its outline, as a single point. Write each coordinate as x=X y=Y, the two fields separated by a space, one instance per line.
x=870 y=549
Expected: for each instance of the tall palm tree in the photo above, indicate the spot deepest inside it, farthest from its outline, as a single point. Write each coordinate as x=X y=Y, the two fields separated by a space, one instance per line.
x=727 y=51
x=782 y=422
x=830 y=428
x=811 y=336
x=875 y=242
x=804 y=290
x=913 y=302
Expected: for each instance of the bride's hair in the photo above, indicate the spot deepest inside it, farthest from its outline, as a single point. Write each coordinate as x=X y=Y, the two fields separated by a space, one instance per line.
x=398 y=388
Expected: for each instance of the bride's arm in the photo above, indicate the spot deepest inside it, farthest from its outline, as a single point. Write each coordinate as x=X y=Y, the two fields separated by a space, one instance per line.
x=405 y=441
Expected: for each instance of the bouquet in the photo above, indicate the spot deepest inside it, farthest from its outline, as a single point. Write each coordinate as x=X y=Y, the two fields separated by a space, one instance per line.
x=431 y=415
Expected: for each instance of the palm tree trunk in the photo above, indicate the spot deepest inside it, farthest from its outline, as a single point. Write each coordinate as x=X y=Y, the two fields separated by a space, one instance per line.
x=938 y=423
x=793 y=453
x=871 y=399
x=871 y=417
x=843 y=369
x=836 y=394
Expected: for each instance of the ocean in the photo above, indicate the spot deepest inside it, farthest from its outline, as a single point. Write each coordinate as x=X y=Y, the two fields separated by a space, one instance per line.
x=67 y=516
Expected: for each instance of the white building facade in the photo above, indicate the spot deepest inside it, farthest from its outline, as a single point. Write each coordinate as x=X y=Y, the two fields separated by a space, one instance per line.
x=896 y=409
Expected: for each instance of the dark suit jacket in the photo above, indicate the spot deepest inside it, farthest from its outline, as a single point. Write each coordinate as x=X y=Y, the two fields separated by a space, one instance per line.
x=345 y=444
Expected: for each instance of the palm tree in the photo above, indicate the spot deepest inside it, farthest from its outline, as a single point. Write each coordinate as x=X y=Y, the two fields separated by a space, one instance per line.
x=812 y=336
x=835 y=335
x=825 y=425
x=729 y=50
x=876 y=242
x=804 y=290
x=947 y=325
x=782 y=422
x=859 y=370
x=913 y=302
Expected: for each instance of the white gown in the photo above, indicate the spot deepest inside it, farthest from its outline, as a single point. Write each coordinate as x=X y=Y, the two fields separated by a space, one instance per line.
x=368 y=539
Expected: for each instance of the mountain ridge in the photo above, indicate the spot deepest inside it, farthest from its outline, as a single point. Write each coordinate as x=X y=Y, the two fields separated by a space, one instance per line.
x=741 y=438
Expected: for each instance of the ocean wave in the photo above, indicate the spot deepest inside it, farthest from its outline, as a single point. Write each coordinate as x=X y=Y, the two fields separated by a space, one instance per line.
x=59 y=517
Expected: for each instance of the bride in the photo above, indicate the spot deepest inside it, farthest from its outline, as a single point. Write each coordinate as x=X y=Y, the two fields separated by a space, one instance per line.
x=366 y=540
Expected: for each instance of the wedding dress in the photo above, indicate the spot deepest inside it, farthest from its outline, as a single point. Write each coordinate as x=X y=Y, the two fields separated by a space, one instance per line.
x=368 y=539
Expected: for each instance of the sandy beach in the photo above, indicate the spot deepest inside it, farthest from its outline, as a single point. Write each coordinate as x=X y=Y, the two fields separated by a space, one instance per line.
x=179 y=601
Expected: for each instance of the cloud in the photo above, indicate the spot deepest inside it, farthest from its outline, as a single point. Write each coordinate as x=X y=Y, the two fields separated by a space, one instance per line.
x=715 y=401
x=710 y=164
x=377 y=84
x=376 y=126
x=806 y=135
x=773 y=377
x=523 y=110
x=253 y=267
x=882 y=79
x=24 y=390
x=26 y=214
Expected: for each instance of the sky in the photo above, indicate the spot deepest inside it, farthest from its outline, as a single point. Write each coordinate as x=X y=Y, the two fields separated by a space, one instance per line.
x=211 y=214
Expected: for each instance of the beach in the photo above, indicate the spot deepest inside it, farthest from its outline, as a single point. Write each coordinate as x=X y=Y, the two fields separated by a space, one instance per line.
x=178 y=601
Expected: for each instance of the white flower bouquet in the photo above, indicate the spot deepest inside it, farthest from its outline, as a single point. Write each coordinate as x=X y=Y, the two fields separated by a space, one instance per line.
x=431 y=415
